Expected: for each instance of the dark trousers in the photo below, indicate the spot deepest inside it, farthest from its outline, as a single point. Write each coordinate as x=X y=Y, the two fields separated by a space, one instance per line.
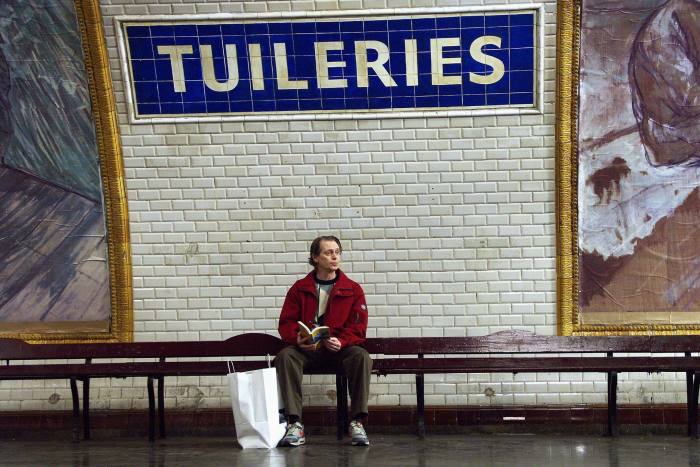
x=292 y=361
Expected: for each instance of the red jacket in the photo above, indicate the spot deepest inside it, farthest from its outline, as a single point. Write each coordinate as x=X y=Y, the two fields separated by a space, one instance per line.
x=346 y=311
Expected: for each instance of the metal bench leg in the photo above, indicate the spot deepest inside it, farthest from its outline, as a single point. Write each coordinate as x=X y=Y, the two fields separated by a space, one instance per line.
x=689 y=398
x=341 y=389
x=86 y=407
x=161 y=405
x=612 y=403
x=76 y=409
x=151 y=411
x=420 y=404
x=694 y=406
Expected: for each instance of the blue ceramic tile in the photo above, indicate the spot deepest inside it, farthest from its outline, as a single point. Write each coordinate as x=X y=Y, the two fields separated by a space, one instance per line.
x=179 y=40
x=379 y=102
x=472 y=21
x=357 y=103
x=166 y=92
x=309 y=104
x=197 y=108
x=401 y=25
x=377 y=26
x=185 y=30
x=138 y=31
x=327 y=27
x=473 y=100
x=333 y=104
x=263 y=105
x=148 y=109
x=381 y=36
x=328 y=37
x=217 y=107
x=208 y=30
x=171 y=108
x=163 y=31
x=522 y=59
x=450 y=101
x=502 y=85
x=501 y=32
x=193 y=69
x=164 y=70
x=522 y=98
x=146 y=92
x=241 y=106
x=287 y=104
x=521 y=81
x=304 y=28
x=521 y=37
x=143 y=70
x=427 y=101
x=281 y=28
x=497 y=99
x=501 y=54
x=233 y=29
x=195 y=91
x=140 y=48
x=451 y=22
x=252 y=29
x=469 y=87
x=525 y=19
x=419 y=24
x=496 y=20
x=399 y=102
x=333 y=93
x=447 y=33
x=352 y=26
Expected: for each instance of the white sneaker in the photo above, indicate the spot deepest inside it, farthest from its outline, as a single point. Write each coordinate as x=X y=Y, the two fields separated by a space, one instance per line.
x=294 y=436
x=359 y=436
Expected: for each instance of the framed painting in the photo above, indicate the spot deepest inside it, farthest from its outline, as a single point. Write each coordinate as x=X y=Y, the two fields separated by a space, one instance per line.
x=628 y=167
x=65 y=272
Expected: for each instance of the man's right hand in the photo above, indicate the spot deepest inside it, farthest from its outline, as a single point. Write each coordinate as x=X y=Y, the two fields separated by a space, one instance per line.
x=303 y=344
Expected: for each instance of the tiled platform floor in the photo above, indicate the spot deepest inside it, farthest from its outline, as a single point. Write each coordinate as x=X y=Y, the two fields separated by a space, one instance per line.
x=506 y=450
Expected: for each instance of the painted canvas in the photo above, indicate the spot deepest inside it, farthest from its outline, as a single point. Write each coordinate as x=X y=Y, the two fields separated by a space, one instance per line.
x=54 y=268
x=638 y=167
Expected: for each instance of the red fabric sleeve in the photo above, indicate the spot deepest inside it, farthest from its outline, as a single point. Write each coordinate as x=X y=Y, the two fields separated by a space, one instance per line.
x=354 y=330
x=291 y=313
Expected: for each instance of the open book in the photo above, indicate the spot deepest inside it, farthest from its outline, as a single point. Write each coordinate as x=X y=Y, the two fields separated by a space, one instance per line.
x=316 y=334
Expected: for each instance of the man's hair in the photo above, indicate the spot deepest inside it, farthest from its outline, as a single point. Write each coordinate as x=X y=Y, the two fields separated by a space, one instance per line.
x=315 y=248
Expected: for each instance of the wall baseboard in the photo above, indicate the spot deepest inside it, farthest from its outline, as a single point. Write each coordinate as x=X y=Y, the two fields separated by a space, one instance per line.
x=671 y=417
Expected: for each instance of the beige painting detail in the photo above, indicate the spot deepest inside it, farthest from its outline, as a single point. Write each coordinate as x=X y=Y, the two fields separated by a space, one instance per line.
x=629 y=187
x=65 y=271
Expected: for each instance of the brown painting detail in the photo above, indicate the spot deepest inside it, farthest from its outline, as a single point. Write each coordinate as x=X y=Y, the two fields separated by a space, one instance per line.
x=663 y=274
x=638 y=166
x=606 y=181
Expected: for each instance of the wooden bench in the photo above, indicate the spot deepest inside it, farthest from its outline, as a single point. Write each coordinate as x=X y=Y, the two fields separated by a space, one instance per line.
x=523 y=352
x=504 y=352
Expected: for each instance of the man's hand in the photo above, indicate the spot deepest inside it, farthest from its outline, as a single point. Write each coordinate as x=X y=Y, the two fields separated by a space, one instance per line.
x=332 y=344
x=303 y=344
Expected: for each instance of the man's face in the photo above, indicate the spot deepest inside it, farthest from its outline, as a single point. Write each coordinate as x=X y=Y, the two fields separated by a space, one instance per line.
x=329 y=258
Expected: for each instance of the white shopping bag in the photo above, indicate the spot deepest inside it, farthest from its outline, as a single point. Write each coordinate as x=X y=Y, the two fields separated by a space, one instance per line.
x=254 y=400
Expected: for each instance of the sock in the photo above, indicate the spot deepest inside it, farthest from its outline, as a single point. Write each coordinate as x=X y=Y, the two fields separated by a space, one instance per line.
x=292 y=419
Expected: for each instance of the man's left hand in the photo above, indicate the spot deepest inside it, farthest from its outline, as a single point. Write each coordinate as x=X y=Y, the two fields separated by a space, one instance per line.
x=332 y=344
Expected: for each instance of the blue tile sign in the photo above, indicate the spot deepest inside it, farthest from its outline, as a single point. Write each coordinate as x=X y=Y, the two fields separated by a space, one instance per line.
x=195 y=68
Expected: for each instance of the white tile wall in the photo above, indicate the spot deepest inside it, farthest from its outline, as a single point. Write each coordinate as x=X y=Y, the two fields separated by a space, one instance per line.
x=448 y=223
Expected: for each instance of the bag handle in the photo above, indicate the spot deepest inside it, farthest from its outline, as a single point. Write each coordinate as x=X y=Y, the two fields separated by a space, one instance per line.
x=232 y=369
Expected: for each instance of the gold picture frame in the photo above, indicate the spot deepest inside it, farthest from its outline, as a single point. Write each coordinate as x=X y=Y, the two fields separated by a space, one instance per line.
x=569 y=316
x=120 y=328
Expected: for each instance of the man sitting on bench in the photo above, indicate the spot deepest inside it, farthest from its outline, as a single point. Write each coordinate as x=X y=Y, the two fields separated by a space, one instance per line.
x=326 y=296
